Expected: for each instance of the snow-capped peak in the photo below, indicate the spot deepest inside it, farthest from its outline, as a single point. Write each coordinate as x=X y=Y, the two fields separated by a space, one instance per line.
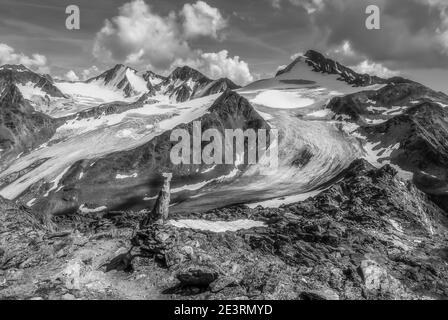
x=122 y=78
x=318 y=63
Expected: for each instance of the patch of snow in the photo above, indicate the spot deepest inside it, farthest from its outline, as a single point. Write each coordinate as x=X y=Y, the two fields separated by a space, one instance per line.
x=137 y=82
x=396 y=225
x=282 y=99
x=276 y=203
x=149 y=198
x=374 y=121
x=31 y=202
x=56 y=181
x=123 y=176
x=29 y=90
x=84 y=209
x=90 y=90
x=320 y=113
x=217 y=226
x=379 y=109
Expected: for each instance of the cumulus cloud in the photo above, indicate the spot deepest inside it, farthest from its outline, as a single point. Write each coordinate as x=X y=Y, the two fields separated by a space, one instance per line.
x=413 y=32
x=71 y=76
x=219 y=65
x=90 y=72
x=373 y=68
x=199 y=19
x=36 y=61
x=138 y=34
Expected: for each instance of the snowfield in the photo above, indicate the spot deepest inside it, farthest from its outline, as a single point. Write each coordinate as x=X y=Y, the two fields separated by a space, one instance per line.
x=217 y=226
x=282 y=99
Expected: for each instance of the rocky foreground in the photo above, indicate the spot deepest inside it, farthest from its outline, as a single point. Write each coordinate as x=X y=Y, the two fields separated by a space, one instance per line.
x=369 y=236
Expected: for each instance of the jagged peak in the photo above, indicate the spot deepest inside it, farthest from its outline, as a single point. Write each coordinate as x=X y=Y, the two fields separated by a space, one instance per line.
x=186 y=72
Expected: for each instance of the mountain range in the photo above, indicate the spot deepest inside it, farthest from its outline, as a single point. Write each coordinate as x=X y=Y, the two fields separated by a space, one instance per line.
x=359 y=195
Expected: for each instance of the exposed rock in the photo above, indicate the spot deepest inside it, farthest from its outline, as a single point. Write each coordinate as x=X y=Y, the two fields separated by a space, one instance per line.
x=162 y=206
x=21 y=127
x=196 y=275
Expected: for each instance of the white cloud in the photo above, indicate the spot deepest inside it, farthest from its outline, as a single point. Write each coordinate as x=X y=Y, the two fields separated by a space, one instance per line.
x=373 y=68
x=202 y=20
x=36 y=61
x=282 y=67
x=139 y=35
x=71 y=76
x=90 y=72
x=345 y=49
x=220 y=65
x=311 y=6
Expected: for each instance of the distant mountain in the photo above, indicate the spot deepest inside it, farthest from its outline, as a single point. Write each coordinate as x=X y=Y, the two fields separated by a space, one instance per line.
x=319 y=63
x=29 y=82
x=384 y=103
x=186 y=83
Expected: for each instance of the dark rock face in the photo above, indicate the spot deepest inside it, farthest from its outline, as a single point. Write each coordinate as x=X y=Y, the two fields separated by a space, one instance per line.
x=218 y=86
x=19 y=74
x=422 y=135
x=319 y=63
x=21 y=128
x=370 y=236
x=151 y=76
x=99 y=185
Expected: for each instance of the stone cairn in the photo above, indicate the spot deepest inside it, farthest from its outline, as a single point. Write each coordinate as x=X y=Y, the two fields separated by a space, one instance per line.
x=160 y=211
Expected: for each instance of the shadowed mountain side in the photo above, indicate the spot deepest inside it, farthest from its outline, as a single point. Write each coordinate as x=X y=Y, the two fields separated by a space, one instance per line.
x=21 y=127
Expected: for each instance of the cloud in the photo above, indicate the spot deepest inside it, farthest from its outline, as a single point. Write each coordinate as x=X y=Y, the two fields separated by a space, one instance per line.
x=202 y=20
x=311 y=6
x=36 y=61
x=345 y=49
x=414 y=33
x=139 y=35
x=90 y=72
x=373 y=68
x=71 y=76
x=220 y=65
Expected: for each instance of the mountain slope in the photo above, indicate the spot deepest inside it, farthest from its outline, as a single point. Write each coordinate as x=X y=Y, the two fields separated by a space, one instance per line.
x=31 y=84
x=123 y=78
x=139 y=170
x=317 y=62
x=186 y=83
x=21 y=127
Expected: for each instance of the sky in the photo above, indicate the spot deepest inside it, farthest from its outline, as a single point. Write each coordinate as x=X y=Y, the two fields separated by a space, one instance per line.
x=244 y=40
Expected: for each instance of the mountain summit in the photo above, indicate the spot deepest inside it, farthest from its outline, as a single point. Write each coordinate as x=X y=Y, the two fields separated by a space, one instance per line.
x=317 y=62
